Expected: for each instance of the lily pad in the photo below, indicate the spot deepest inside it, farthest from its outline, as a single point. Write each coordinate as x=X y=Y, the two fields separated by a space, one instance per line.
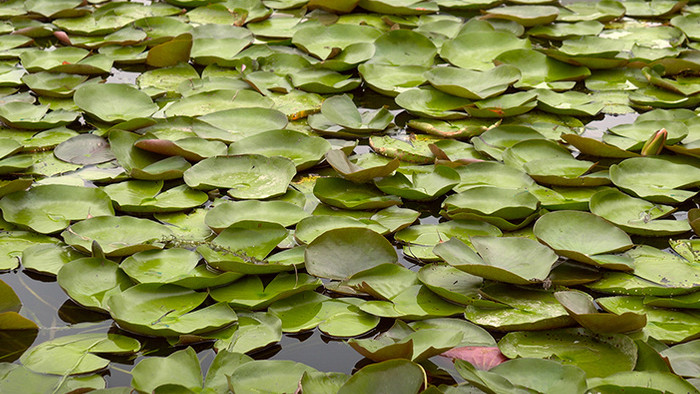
x=250 y=293
x=227 y=213
x=646 y=177
x=520 y=261
x=573 y=347
x=304 y=150
x=99 y=101
x=584 y=310
x=354 y=172
x=473 y=84
x=588 y=238
x=167 y=310
x=345 y=194
x=248 y=176
x=117 y=235
x=51 y=208
x=420 y=186
x=91 y=281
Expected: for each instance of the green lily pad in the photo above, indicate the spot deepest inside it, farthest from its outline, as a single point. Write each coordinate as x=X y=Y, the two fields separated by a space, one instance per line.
x=99 y=101
x=413 y=303
x=74 y=354
x=343 y=112
x=250 y=293
x=337 y=253
x=53 y=84
x=509 y=204
x=646 y=177
x=473 y=84
x=526 y=15
x=354 y=172
x=322 y=41
x=304 y=150
x=175 y=266
x=573 y=346
x=91 y=281
x=636 y=216
x=167 y=310
x=540 y=71
x=34 y=117
x=589 y=239
x=254 y=330
x=520 y=261
x=584 y=310
x=246 y=121
x=17 y=377
x=84 y=149
x=603 y=11
x=204 y=103
x=432 y=103
x=420 y=186
x=391 y=80
x=227 y=213
x=246 y=176
x=345 y=194
x=516 y=308
x=48 y=258
x=244 y=246
x=474 y=50
x=117 y=235
x=323 y=81
x=450 y=283
x=51 y=208
x=335 y=316
x=683 y=358
x=183 y=371
x=665 y=325
x=420 y=239
x=642 y=380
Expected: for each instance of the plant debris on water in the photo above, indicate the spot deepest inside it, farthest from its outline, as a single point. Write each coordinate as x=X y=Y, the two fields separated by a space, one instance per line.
x=490 y=196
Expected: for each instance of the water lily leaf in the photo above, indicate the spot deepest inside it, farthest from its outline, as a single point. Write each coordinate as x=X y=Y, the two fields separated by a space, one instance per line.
x=345 y=194
x=391 y=80
x=147 y=196
x=666 y=325
x=175 y=266
x=450 y=283
x=323 y=81
x=681 y=85
x=688 y=24
x=589 y=242
x=342 y=111
x=218 y=100
x=415 y=302
x=181 y=368
x=514 y=309
x=254 y=330
x=69 y=60
x=75 y=354
x=514 y=260
x=594 y=147
x=656 y=8
x=636 y=216
x=304 y=150
x=642 y=380
x=432 y=103
x=171 y=52
x=459 y=128
x=399 y=7
x=603 y=11
x=310 y=228
x=53 y=84
x=34 y=117
x=665 y=269
x=98 y=100
x=248 y=176
x=473 y=84
x=84 y=149
x=117 y=235
x=531 y=373
x=10 y=320
x=584 y=310
x=267 y=375
x=243 y=247
x=17 y=377
x=420 y=186
x=645 y=177
x=336 y=254
x=683 y=358
x=321 y=41
x=48 y=258
x=167 y=310
x=474 y=50
x=414 y=149
x=509 y=204
x=250 y=293
x=526 y=15
x=351 y=171
x=91 y=281
x=215 y=43
x=571 y=346
x=333 y=316
x=228 y=213
x=538 y=70
x=50 y=208
x=420 y=239
x=247 y=121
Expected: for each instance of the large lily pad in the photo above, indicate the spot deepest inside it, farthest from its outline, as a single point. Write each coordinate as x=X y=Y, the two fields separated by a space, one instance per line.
x=345 y=194
x=304 y=150
x=99 y=101
x=473 y=84
x=573 y=346
x=245 y=176
x=51 y=208
x=647 y=177
x=167 y=310
x=117 y=235
x=584 y=237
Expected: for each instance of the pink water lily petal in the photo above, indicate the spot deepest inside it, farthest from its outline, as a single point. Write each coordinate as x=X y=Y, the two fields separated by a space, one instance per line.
x=482 y=357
